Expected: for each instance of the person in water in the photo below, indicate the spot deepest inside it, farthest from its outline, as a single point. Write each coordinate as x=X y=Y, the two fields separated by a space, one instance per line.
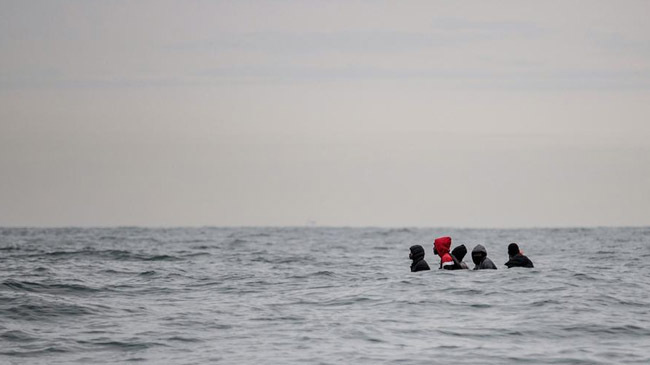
x=441 y=246
x=479 y=256
x=457 y=254
x=417 y=255
x=517 y=258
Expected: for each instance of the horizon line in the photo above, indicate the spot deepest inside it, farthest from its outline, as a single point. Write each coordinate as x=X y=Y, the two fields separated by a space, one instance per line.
x=316 y=226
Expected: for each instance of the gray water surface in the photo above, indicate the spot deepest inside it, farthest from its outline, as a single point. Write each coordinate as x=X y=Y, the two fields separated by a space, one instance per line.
x=320 y=296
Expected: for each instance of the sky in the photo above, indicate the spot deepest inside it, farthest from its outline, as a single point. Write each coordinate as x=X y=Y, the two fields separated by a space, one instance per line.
x=331 y=113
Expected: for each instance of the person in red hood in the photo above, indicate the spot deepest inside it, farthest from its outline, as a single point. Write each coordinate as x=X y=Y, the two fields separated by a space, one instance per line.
x=441 y=246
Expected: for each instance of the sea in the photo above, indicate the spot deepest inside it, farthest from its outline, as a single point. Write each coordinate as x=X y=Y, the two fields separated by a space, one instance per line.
x=320 y=295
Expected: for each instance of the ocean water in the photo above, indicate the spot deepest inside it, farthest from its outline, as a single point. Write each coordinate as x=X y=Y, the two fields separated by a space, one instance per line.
x=320 y=296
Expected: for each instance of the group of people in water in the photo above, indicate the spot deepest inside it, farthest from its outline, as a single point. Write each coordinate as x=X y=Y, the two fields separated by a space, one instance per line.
x=453 y=260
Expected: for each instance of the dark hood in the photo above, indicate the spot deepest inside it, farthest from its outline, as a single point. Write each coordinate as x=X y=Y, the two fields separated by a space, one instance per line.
x=459 y=252
x=478 y=254
x=513 y=249
x=417 y=253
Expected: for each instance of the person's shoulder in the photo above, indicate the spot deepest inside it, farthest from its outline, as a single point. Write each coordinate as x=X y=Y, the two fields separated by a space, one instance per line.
x=519 y=261
x=488 y=264
x=447 y=260
x=422 y=265
x=527 y=261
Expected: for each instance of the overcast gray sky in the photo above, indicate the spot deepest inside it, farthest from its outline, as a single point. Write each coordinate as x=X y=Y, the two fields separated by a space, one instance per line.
x=354 y=113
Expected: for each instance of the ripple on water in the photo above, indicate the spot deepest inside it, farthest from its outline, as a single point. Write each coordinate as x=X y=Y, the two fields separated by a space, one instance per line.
x=44 y=310
x=18 y=336
x=54 y=288
x=125 y=345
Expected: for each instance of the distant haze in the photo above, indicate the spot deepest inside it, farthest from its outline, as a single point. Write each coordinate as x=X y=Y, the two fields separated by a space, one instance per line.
x=337 y=113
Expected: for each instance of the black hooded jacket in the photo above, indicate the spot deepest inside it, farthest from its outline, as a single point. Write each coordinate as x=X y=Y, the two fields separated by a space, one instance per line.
x=457 y=254
x=519 y=260
x=417 y=255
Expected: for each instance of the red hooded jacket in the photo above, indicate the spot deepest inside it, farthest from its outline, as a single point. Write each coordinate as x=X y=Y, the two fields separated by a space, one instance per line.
x=442 y=246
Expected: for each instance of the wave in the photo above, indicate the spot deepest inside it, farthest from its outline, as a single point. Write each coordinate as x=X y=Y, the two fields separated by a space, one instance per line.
x=50 y=350
x=618 y=330
x=324 y=273
x=236 y=242
x=117 y=255
x=17 y=336
x=159 y=258
x=128 y=345
x=48 y=288
x=183 y=339
x=44 y=310
x=263 y=257
x=195 y=254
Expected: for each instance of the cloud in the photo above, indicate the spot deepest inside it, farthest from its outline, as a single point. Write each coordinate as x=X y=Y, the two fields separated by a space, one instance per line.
x=511 y=28
x=443 y=79
x=479 y=51
x=446 y=33
x=618 y=42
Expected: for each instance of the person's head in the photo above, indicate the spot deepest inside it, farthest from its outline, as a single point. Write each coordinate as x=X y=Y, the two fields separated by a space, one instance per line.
x=479 y=253
x=417 y=253
x=513 y=249
x=459 y=252
x=441 y=245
